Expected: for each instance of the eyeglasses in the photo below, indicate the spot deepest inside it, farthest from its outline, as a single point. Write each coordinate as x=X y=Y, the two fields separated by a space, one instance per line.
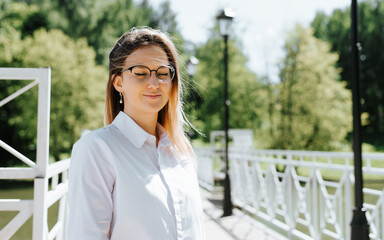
x=141 y=74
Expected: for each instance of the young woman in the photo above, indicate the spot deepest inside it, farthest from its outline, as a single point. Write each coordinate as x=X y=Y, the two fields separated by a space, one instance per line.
x=136 y=177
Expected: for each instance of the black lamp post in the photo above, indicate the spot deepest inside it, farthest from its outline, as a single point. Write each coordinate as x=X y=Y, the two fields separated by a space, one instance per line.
x=359 y=224
x=225 y=23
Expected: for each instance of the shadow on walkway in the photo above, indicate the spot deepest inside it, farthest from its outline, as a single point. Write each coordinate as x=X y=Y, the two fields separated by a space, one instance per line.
x=239 y=226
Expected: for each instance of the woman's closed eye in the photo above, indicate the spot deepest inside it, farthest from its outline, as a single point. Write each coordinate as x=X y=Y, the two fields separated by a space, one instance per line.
x=141 y=74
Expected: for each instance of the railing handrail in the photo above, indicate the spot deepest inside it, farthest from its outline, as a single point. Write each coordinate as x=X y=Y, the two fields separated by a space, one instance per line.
x=297 y=152
x=287 y=154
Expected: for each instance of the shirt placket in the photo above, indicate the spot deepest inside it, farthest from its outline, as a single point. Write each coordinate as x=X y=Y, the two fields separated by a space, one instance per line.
x=176 y=199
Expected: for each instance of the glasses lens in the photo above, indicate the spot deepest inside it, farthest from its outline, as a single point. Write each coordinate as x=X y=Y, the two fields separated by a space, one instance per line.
x=165 y=74
x=140 y=73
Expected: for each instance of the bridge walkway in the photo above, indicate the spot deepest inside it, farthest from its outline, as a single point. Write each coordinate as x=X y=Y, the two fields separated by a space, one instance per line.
x=239 y=226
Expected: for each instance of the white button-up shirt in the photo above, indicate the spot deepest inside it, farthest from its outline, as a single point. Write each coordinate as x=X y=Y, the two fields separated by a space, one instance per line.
x=121 y=186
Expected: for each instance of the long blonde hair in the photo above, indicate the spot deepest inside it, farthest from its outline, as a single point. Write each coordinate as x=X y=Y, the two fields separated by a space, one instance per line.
x=171 y=117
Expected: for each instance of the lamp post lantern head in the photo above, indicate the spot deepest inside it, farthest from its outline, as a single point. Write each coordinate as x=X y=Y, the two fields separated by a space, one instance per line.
x=225 y=19
x=191 y=65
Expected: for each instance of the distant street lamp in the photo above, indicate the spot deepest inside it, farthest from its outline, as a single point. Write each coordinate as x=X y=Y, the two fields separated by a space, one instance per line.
x=191 y=66
x=225 y=19
x=359 y=224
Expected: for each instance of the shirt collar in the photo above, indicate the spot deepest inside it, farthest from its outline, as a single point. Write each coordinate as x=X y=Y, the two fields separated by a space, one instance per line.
x=135 y=133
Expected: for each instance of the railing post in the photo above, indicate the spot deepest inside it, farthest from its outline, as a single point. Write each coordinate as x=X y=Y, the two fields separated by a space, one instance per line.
x=63 y=208
x=288 y=190
x=315 y=205
x=382 y=218
x=290 y=202
x=40 y=228
x=347 y=203
x=43 y=113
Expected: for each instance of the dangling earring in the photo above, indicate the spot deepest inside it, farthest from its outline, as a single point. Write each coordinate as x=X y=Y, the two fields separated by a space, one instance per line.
x=121 y=98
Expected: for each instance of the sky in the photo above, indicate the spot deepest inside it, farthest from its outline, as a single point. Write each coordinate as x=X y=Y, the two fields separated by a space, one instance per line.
x=261 y=25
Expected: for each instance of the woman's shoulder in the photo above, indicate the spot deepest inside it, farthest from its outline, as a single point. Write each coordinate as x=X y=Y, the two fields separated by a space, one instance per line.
x=91 y=155
x=95 y=139
x=96 y=136
x=93 y=147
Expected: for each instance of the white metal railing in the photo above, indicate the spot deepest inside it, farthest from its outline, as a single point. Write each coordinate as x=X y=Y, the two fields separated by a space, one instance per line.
x=305 y=195
x=44 y=175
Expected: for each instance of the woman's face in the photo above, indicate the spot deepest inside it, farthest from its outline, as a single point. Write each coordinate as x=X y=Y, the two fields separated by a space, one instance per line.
x=144 y=97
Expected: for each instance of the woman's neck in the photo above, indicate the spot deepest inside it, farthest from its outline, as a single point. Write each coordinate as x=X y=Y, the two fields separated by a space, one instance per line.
x=147 y=122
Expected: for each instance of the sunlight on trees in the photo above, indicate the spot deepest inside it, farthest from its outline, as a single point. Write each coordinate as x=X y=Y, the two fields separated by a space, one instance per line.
x=314 y=105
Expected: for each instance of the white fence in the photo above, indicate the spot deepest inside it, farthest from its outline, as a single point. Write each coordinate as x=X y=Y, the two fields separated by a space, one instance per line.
x=304 y=195
x=50 y=180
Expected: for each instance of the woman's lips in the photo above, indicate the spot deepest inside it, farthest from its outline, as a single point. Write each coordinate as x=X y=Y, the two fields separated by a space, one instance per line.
x=152 y=96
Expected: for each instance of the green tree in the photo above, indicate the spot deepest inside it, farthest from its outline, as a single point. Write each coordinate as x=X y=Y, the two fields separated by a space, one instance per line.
x=77 y=90
x=117 y=17
x=21 y=17
x=335 y=29
x=165 y=18
x=314 y=106
x=14 y=130
x=247 y=94
x=100 y=22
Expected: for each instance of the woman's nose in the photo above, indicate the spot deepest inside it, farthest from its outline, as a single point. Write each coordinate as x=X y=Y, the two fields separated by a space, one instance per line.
x=153 y=81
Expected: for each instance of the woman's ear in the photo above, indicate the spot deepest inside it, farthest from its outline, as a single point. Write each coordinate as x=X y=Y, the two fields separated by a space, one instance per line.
x=118 y=83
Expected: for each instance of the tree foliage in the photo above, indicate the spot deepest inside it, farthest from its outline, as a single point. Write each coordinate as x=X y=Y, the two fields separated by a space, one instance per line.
x=77 y=95
x=247 y=95
x=165 y=18
x=314 y=106
x=77 y=89
x=335 y=29
x=99 y=22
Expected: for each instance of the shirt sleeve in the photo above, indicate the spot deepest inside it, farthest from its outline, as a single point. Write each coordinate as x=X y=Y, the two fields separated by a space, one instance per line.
x=91 y=183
